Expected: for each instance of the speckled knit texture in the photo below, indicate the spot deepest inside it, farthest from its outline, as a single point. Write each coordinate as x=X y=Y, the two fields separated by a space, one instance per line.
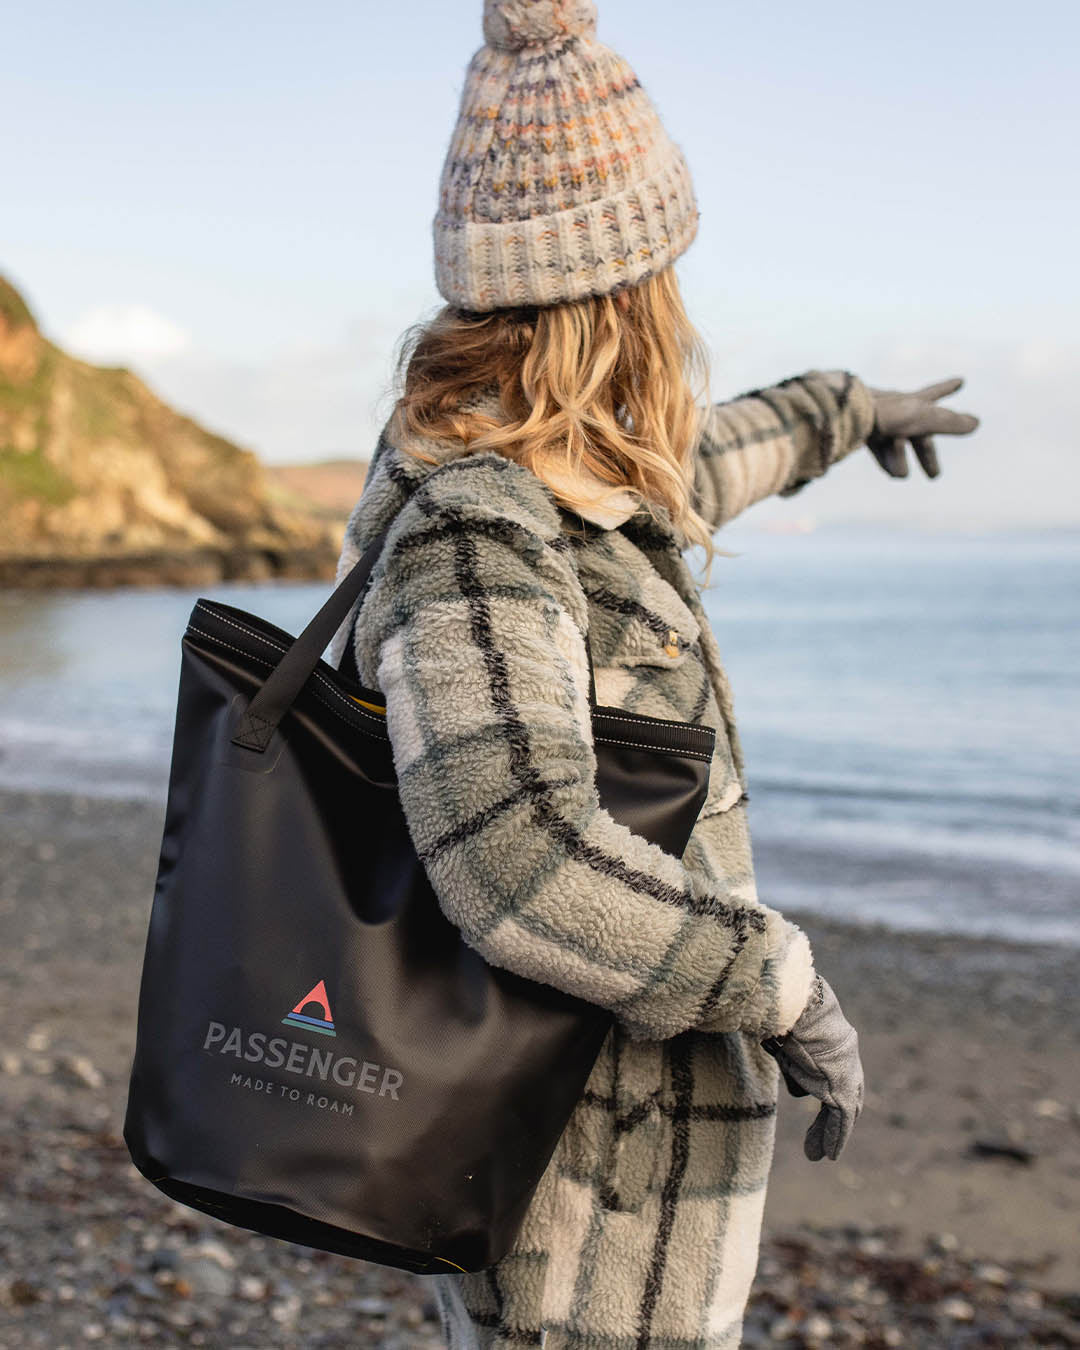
x=560 y=180
x=644 y=1231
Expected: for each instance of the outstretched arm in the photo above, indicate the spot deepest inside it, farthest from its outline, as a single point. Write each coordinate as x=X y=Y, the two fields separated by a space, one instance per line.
x=776 y=440
x=481 y=662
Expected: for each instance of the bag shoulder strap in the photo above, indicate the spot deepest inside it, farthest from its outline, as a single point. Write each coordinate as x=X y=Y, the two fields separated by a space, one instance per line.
x=280 y=688
x=278 y=691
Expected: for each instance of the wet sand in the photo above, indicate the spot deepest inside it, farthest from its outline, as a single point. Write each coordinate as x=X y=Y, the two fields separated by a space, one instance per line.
x=964 y=1043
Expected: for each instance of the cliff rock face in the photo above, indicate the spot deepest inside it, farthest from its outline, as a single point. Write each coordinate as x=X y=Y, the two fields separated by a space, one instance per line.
x=101 y=482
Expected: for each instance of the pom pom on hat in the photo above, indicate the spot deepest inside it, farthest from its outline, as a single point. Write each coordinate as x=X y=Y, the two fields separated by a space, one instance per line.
x=512 y=24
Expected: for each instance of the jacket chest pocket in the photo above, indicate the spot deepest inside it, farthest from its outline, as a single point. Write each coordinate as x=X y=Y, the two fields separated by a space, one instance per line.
x=651 y=628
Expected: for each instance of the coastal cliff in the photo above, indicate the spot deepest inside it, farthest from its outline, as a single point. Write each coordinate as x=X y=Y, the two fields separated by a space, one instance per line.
x=102 y=483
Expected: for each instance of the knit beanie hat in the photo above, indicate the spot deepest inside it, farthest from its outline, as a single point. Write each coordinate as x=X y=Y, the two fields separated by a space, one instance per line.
x=560 y=181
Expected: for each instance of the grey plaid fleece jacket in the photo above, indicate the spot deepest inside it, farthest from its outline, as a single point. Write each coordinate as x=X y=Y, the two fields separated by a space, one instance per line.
x=644 y=1231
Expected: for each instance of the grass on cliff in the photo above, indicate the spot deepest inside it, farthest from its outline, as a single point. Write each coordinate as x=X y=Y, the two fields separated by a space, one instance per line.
x=34 y=392
x=101 y=395
x=13 y=307
x=27 y=473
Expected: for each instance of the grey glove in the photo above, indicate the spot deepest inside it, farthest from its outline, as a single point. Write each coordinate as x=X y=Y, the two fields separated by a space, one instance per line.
x=916 y=418
x=820 y=1055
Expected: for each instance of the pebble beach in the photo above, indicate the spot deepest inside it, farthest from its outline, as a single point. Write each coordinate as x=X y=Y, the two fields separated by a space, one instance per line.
x=951 y=1220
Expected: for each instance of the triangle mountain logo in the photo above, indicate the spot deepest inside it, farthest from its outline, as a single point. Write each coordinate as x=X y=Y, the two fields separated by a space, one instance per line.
x=324 y=1025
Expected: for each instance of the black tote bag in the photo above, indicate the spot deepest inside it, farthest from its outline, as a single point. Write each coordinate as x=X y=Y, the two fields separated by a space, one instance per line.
x=319 y=1055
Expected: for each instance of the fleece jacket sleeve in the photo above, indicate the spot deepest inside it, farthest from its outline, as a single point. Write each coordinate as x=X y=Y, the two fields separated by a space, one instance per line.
x=477 y=626
x=776 y=440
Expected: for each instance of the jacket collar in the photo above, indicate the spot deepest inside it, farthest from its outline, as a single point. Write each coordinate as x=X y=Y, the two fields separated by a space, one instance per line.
x=393 y=475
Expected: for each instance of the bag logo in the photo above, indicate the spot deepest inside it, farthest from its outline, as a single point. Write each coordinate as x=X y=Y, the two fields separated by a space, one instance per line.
x=298 y=1018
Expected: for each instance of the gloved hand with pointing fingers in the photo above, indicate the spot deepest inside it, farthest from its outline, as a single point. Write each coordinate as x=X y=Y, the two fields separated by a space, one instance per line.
x=819 y=1056
x=916 y=417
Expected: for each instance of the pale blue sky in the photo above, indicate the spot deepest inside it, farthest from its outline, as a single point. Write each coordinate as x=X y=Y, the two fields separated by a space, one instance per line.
x=236 y=200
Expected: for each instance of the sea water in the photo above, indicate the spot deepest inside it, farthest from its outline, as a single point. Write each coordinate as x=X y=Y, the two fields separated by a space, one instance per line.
x=908 y=704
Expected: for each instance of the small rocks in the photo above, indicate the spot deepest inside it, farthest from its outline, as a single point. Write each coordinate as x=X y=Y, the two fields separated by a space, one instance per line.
x=817 y=1328
x=216 y=1251
x=94 y=1256
x=39 y=1039
x=1002 y=1148
x=848 y=1286
x=204 y=1277
x=77 y=1071
x=164 y=1259
x=1049 y=1109
x=20 y=1293
x=370 y=1307
x=286 y=1311
x=991 y=1274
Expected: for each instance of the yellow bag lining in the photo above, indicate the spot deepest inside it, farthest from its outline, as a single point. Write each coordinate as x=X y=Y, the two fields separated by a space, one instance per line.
x=374 y=707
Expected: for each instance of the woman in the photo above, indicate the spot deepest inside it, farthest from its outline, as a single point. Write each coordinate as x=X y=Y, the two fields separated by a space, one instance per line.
x=544 y=468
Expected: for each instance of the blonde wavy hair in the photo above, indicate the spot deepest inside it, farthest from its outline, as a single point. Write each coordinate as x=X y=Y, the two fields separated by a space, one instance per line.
x=608 y=384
